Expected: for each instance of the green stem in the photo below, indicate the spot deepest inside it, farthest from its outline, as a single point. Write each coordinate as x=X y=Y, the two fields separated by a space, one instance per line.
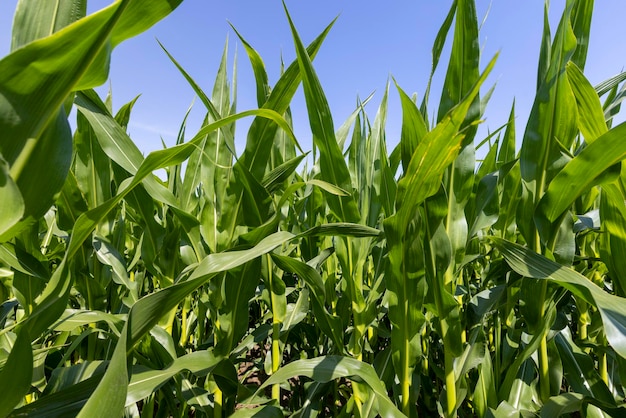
x=583 y=321
x=450 y=384
x=218 y=396
x=496 y=342
x=406 y=381
x=544 y=368
x=218 y=401
x=604 y=369
x=276 y=325
x=276 y=358
x=603 y=365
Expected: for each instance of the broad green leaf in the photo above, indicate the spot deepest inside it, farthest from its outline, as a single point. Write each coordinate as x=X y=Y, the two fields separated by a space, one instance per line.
x=155 y=160
x=108 y=255
x=272 y=180
x=584 y=171
x=568 y=403
x=265 y=411
x=70 y=203
x=579 y=369
x=328 y=323
x=74 y=318
x=613 y=238
x=581 y=24
x=67 y=402
x=261 y=131
x=258 y=68
x=11 y=201
x=434 y=153
x=51 y=303
x=551 y=127
x=238 y=288
x=506 y=152
x=138 y=17
x=609 y=84
x=545 y=52
x=35 y=82
x=16 y=375
x=325 y=369
x=32 y=23
x=21 y=260
x=145 y=381
x=463 y=71
x=342 y=229
x=612 y=308
x=590 y=114
x=116 y=143
x=146 y=312
x=333 y=168
x=296 y=312
x=109 y=397
x=414 y=128
x=437 y=49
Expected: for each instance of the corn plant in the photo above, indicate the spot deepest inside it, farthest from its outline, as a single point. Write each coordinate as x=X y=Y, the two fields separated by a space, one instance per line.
x=352 y=280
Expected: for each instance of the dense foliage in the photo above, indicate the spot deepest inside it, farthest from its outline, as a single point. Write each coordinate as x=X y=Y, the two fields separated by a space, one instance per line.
x=348 y=281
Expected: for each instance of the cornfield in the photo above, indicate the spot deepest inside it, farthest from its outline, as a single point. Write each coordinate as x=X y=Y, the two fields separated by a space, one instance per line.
x=351 y=280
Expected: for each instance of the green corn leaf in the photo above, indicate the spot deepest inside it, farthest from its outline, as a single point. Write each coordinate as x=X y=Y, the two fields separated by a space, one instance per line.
x=110 y=395
x=581 y=25
x=329 y=324
x=342 y=229
x=613 y=239
x=274 y=178
x=463 y=71
x=296 y=312
x=66 y=402
x=612 y=308
x=332 y=165
x=146 y=312
x=92 y=166
x=325 y=369
x=462 y=74
x=545 y=52
x=404 y=277
x=569 y=403
x=32 y=23
x=116 y=143
x=437 y=49
x=233 y=316
x=414 y=128
x=155 y=160
x=551 y=127
x=344 y=130
x=433 y=154
x=585 y=170
x=53 y=67
x=11 y=201
x=506 y=152
x=579 y=368
x=75 y=318
x=261 y=131
x=258 y=68
x=609 y=84
x=108 y=255
x=17 y=373
x=145 y=381
x=265 y=411
x=590 y=114
x=21 y=260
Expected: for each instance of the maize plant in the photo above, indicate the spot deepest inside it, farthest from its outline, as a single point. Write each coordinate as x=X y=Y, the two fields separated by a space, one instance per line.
x=370 y=276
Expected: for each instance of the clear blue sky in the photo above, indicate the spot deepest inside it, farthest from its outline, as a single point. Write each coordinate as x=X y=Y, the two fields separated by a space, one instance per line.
x=371 y=41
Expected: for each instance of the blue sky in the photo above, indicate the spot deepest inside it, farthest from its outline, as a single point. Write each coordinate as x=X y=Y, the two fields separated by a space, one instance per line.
x=370 y=42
